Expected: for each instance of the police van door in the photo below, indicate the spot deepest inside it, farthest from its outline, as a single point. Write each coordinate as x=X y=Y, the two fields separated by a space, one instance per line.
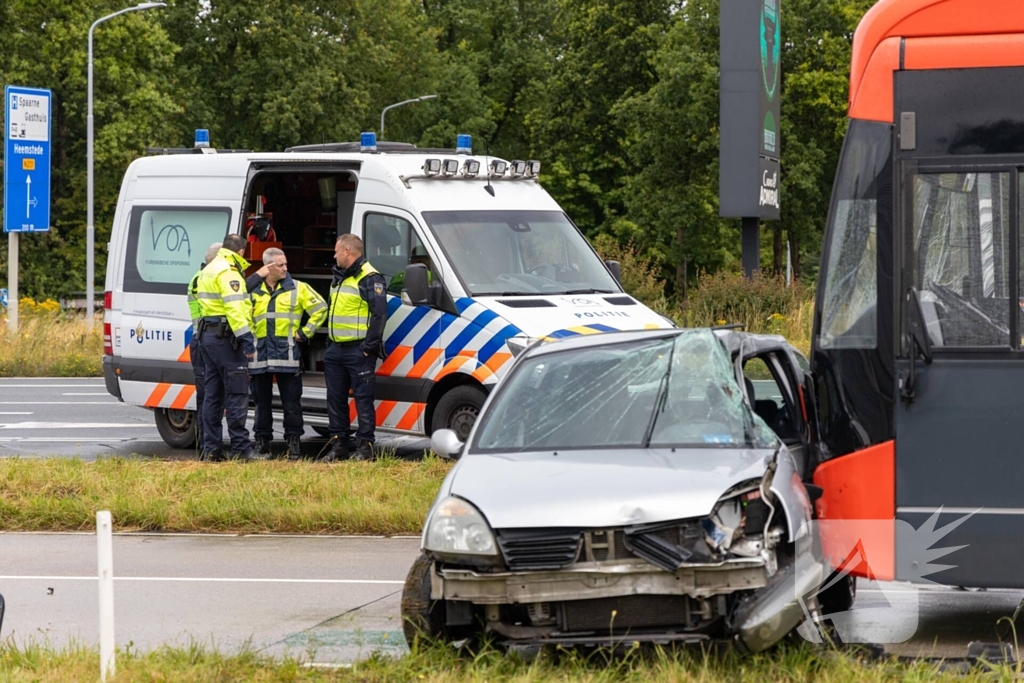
x=392 y=239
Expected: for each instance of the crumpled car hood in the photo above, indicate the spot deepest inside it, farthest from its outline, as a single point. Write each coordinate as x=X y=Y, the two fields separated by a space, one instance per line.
x=606 y=488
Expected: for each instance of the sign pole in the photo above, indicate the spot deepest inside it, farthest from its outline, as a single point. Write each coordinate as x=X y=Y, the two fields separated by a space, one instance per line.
x=12 y=281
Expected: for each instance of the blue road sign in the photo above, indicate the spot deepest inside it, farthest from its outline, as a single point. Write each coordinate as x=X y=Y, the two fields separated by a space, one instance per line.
x=5 y=297
x=27 y=159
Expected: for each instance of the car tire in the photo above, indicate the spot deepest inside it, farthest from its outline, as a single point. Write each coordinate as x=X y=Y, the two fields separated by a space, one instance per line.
x=177 y=427
x=839 y=596
x=322 y=431
x=422 y=618
x=458 y=409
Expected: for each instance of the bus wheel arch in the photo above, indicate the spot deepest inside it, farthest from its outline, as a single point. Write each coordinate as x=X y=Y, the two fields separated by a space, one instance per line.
x=454 y=403
x=177 y=427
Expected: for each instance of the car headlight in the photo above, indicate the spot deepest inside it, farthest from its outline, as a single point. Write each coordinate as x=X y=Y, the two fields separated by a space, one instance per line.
x=457 y=528
x=520 y=343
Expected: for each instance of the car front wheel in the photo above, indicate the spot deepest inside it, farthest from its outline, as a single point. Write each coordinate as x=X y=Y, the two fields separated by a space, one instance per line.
x=422 y=618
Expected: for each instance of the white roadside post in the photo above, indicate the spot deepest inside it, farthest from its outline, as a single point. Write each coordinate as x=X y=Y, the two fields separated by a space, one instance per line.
x=12 y=281
x=105 y=554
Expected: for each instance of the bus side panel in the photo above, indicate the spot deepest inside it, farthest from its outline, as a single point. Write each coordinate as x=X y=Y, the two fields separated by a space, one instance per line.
x=856 y=511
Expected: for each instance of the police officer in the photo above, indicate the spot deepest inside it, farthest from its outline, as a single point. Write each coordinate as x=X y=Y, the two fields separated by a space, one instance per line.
x=198 y=367
x=355 y=326
x=227 y=345
x=278 y=305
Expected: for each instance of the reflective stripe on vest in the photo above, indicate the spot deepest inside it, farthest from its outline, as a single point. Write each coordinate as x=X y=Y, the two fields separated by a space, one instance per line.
x=349 y=319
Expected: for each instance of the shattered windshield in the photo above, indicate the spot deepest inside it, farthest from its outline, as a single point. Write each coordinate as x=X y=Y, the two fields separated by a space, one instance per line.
x=667 y=392
x=519 y=253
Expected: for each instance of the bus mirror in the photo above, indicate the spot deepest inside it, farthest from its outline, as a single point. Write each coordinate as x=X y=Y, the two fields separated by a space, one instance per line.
x=416 y=289
x=616 y=270
x=917 y=330
x=2 y=606
x=919 y=343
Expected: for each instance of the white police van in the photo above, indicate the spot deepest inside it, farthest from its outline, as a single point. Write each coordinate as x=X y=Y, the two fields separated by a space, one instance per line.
x=505 y=265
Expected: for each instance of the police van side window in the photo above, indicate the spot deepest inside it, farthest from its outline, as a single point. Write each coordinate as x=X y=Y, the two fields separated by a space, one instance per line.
x=391 y=243
x=166 y=246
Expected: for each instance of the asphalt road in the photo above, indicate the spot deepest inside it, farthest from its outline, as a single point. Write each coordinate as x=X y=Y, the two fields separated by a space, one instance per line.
x=78 y=418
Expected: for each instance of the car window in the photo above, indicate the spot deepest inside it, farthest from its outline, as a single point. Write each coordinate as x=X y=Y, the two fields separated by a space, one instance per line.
x=675 y=391
x=167 y=245
x=771 y=395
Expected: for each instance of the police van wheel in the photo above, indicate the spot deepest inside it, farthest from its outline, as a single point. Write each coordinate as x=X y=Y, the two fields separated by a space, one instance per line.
x=177 y=427
x=322 y=431
x=458 y=409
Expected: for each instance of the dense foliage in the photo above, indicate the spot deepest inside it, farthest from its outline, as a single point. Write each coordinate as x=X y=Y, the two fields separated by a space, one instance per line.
x=618 y=98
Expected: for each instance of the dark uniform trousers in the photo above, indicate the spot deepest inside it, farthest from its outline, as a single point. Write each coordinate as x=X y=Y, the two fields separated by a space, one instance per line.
x=227 y=392
x=289 y=385
x=345 y=366
x=199 y=372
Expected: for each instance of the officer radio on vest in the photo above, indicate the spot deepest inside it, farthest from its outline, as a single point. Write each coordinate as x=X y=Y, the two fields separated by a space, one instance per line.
x=355 y=326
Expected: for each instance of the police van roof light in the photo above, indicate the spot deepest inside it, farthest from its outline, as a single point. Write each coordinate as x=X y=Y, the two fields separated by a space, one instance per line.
x=368 y=142
x=431 y=167
x=471 y=167
x=202 y=138
x=498 y=167
x=532 y=168
x=517 y=169
x=450 y=167
x=464 y=144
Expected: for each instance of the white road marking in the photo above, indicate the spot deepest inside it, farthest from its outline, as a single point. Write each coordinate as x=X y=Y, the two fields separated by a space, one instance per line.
x=63 y=439
x=71 y=425
x=194 y=579
x=102 y=393
x=51 y=386
x=15 y=413
x=61 y=403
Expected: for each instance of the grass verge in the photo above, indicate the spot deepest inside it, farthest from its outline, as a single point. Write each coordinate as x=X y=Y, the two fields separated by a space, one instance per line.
x=198 y=664
x=48 y=344
x=388 y=496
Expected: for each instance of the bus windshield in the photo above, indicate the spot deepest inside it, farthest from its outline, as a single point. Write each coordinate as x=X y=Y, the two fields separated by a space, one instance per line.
x=519 y=253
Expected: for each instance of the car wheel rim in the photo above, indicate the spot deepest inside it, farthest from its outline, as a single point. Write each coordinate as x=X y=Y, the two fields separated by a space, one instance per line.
x=462 y=419
x=179 y=419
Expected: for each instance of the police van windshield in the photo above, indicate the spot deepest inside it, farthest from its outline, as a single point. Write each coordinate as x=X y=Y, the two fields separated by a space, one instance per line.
x=519 y=253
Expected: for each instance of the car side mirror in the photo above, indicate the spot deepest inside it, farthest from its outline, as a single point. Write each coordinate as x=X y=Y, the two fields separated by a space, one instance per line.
x=445 y=443
x=416 y=288
x=616 y=268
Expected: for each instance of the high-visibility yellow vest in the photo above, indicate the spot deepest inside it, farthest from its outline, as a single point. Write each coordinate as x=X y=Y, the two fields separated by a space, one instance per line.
x=276 y=316
x=349 y=319
x=221 y=291
x=194 y=310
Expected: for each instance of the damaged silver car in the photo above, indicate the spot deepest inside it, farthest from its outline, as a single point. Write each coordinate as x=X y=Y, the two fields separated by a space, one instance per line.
x=618 y=487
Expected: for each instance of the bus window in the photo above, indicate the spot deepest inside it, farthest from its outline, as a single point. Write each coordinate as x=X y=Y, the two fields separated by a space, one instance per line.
x=961 y=260
x=850 y=295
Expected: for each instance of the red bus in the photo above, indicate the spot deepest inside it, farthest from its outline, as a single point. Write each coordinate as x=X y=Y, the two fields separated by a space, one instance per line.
x=917 y=357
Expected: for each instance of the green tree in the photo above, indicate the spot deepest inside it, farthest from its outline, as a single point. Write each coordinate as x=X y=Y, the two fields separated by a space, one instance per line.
x=606 y=55
x=45 y=46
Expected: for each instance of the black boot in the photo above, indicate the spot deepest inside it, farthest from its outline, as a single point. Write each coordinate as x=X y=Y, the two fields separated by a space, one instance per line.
x=262 y=447
x=335 y=450
x=294 y=450
x=364 y=451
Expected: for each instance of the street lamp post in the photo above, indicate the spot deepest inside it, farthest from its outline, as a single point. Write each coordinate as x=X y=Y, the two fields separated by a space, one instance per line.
x=90 y=228
x=399 y=104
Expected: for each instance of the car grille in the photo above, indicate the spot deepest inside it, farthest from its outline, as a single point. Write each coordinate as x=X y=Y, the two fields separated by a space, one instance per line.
x=531 y=549
x=634 y=611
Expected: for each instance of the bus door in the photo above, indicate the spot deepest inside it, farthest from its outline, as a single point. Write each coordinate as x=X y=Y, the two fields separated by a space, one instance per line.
x=960 y=412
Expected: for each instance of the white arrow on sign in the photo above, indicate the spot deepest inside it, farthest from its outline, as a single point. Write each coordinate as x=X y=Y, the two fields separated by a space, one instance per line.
x=29 y=200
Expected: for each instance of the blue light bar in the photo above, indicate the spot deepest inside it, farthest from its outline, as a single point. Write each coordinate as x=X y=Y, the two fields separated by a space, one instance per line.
x=202 y=137
x=368 y=142
x=464 y=144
